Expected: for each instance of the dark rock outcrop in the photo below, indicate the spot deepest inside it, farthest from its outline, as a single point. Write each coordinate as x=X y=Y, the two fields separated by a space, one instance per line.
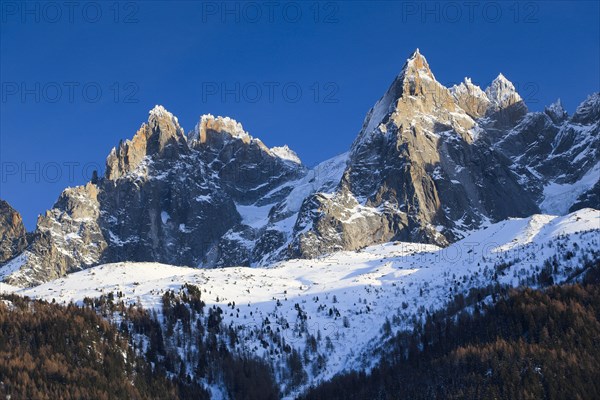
x=13 y=236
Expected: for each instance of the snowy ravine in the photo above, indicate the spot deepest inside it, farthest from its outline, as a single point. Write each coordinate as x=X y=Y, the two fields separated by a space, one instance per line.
x=345 y=299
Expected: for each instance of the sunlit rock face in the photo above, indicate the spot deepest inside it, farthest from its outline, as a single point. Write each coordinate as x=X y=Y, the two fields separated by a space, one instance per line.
x=13 y=237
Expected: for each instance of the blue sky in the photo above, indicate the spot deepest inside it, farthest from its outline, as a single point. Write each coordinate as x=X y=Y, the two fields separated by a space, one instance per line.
x=77 y=79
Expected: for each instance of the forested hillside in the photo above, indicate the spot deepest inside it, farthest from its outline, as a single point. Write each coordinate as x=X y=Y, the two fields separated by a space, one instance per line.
x=530 y=344
x=51 y=352
x=522 y=344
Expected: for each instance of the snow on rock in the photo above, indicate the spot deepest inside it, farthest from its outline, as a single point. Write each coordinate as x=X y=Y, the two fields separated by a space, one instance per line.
x=322 y=178
x=221 y=124
x=559 y=197
x=467 y=87
x=159 y=112
x=253 y=215
x=286 y=153
x=556 y=111
x=502 y=92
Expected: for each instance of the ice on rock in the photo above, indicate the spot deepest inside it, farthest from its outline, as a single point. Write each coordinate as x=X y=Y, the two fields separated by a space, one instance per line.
x=285 y=153
x=221 y=124
x=502 y=92
x=556 y=111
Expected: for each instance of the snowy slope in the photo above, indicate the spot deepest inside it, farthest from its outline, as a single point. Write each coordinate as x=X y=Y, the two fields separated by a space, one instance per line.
x=559 y=197
x=398 y=282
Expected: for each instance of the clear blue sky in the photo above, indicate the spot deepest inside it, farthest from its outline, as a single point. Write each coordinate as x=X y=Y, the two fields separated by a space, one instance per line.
x=342 y=56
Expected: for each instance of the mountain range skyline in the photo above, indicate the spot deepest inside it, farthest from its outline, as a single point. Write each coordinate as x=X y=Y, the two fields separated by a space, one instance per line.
x=47 y=172
x=430 y=165
x=359 y=64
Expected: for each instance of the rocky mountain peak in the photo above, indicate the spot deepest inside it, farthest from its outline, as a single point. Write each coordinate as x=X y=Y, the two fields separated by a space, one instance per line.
x=159 y=113
x=215 y=134
x=210 y=125
x=416 y=65
x=588 y=111
x=415 y=78
x=417 y=170
x=556 y=112
x=285 y=153
x=161 y=136
x=164 y=130
x=471 y=98
x=502 y=92
x=412 y=96
x=507 y=107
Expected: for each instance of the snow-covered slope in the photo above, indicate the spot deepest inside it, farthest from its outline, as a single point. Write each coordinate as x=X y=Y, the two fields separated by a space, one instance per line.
x=344 y=299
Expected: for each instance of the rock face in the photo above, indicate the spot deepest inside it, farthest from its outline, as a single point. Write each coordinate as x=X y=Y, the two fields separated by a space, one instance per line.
x=419 y=170
x=429 y=165
x=166 y=197
x=67 y=238
x=557 y=157
x=13 y=237
x=471 y=98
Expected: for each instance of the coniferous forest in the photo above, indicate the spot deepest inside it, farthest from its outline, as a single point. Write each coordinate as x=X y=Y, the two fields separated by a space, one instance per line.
x=52 y=352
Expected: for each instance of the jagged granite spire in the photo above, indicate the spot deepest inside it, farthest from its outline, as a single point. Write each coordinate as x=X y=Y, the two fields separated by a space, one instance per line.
x=589 y=110
x=507 y=107
x=161 y=135
x=219 y=125
x=556 y=112
x=417 y=170
x=502 y=93
x=415 y=87
x=471 y=98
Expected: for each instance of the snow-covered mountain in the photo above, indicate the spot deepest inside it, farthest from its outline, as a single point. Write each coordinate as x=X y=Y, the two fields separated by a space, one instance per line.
x=339 y=310
x=429 y=165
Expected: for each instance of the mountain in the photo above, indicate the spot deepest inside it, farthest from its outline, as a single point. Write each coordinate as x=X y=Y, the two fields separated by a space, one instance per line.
x=165 y=196
x=557 y=156
x=429 y=165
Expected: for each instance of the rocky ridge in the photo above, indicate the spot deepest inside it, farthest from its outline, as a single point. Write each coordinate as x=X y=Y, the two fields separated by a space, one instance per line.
x=430 y=164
